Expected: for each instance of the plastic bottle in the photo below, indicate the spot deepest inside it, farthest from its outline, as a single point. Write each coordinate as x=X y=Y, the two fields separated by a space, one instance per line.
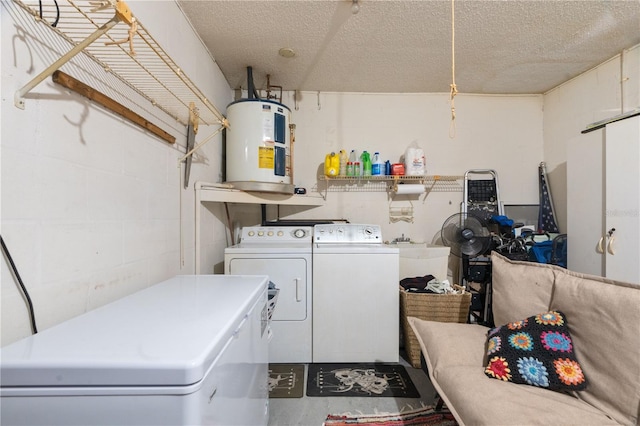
x=414 y=161
x=343 y=162
x=350 y=171
x=365 y=160
x=351 y=164
x=353 y=156
x=377 y=166
x=335 y=164
x=331 y=164
x=387 y=168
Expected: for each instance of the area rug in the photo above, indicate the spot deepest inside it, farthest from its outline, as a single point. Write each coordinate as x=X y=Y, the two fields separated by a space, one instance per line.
x=425 y=416
x=286 y=380
x=385 y=380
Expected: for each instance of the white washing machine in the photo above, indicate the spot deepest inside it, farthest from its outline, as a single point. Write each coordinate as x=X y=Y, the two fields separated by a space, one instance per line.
x=355 y=295
x=284 y=254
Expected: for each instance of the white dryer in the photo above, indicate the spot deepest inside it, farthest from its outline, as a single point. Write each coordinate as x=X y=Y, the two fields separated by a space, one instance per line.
x=284 y=254
x=355 y=295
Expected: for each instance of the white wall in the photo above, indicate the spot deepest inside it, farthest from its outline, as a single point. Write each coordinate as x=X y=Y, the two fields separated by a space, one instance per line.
x=598 y=94
x=503 y=133
x=91 y=204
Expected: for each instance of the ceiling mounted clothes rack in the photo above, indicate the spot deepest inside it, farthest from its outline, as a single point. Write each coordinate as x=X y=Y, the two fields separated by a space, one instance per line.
x=108 y=33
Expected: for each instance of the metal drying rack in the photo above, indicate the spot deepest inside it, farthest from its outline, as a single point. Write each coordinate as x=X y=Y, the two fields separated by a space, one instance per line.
x=108 y=33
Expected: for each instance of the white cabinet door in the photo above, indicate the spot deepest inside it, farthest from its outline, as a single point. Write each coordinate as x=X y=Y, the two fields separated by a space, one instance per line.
x=622 y=214
x=585 y=202
x=603 y=201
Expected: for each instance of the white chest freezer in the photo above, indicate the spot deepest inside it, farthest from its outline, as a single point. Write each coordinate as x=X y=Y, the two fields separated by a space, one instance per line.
x=191 y=350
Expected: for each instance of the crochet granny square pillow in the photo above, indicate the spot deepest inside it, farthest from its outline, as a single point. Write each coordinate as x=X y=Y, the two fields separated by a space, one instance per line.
x=536 y=351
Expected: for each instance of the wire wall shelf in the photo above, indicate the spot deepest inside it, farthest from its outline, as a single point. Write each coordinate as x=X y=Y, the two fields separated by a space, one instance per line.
x=435 y=183
x=124 y=48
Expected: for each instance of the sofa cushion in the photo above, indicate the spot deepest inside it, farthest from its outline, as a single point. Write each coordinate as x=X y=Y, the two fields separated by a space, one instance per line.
x=441 y=351
x=446 y=346
x=605 y=326
x=479 y=400
x=520 y=289
x=536 y=351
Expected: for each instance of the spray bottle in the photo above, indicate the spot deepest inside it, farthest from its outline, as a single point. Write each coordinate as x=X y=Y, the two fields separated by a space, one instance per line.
x=365 y=159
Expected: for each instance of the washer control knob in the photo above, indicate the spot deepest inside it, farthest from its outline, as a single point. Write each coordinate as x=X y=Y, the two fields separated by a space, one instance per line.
x=270 y=233
x=260 y=233
x=299 y=233
x=251 y=233
x=280 y=233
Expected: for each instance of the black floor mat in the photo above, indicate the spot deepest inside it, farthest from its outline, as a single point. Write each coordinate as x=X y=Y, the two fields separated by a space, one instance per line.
x=286 y=380
x=384 y=380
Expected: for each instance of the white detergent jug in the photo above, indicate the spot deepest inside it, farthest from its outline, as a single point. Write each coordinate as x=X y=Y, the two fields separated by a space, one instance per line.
x=377 y=166
x=414 y=160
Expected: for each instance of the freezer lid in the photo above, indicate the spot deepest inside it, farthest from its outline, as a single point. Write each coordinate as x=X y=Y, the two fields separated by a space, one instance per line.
x=165 y=335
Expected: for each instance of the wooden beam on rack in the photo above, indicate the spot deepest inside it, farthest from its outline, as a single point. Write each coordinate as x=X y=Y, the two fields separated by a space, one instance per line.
x=19 y=95
x=90 y=93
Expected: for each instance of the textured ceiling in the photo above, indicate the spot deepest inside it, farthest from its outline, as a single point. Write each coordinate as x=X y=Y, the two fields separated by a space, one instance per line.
x=401 y=46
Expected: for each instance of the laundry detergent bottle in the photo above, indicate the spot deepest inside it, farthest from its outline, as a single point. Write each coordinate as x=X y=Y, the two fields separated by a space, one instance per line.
x=331 y=164
x=377 y=166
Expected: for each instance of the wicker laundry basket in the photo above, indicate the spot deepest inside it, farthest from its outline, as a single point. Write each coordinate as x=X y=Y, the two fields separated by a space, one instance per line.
x=430 y=307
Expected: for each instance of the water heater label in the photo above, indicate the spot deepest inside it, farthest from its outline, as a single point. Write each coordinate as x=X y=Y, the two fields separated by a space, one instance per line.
x=267 y=127
x=265 y=157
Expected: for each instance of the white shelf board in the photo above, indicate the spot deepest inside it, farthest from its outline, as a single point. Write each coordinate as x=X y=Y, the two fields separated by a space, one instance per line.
x=217 y=193
x=214 y=194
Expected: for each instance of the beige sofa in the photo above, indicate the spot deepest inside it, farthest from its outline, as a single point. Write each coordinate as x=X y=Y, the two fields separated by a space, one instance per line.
x=604 y=323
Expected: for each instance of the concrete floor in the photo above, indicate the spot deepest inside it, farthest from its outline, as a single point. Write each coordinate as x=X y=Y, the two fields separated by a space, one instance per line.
x=312 y=411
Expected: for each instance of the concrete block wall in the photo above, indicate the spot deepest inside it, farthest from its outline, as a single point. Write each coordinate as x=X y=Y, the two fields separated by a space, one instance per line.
x=92 y=206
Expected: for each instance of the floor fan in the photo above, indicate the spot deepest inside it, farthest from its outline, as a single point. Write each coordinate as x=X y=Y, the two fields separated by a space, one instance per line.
x=466 y=235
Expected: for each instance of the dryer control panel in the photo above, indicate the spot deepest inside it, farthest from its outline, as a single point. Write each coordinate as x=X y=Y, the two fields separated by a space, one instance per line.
x=276 y=234
x=347 y=233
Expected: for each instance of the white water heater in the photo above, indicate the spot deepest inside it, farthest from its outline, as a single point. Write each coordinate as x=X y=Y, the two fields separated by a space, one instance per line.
x=259 y=146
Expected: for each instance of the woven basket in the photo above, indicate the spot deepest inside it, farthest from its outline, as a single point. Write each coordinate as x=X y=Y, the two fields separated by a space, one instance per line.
x=430 y=307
